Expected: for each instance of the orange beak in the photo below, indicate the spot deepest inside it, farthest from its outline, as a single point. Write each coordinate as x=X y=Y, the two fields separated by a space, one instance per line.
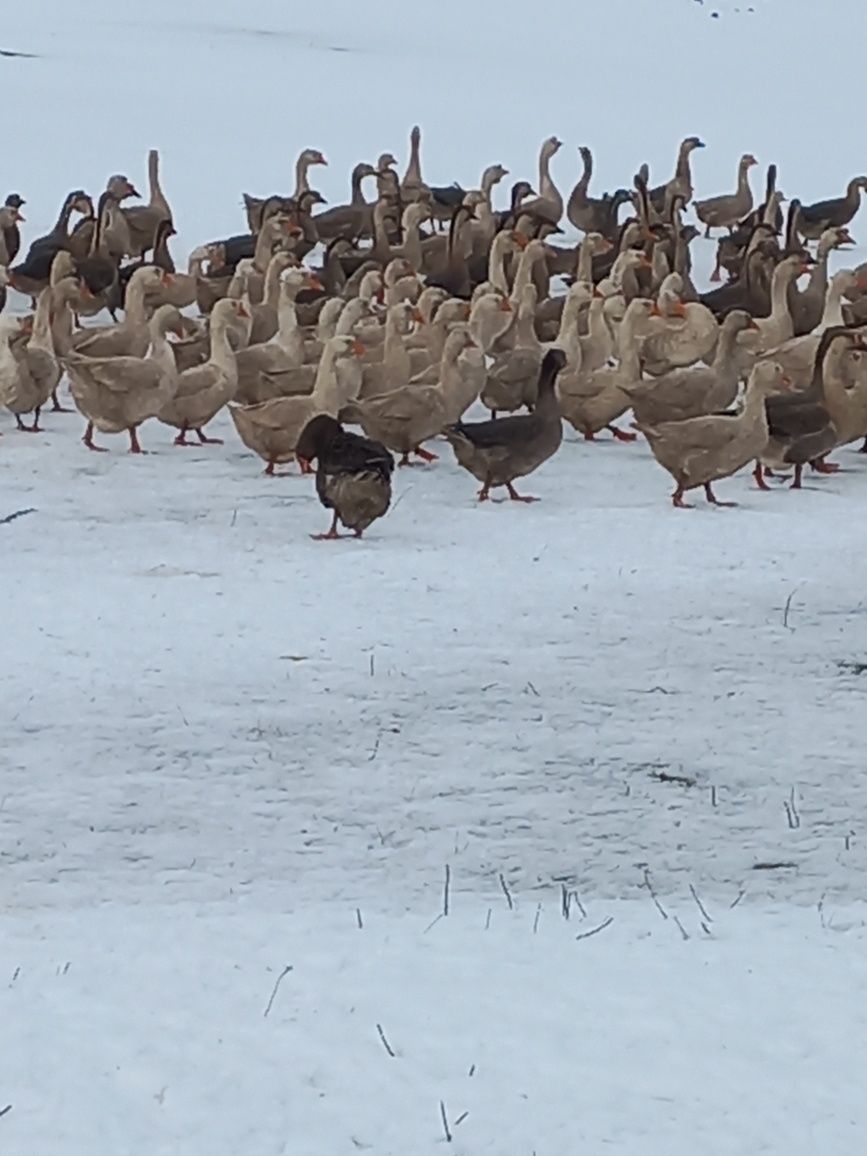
x=167 y=279
x=505 y=305
x=680 y=309
x=520 y=240
x=418 y=316
x=465 y=312
x=655 y=311
x=357 y=347
x=313 y=282
x=752 y=325
x=242 y=310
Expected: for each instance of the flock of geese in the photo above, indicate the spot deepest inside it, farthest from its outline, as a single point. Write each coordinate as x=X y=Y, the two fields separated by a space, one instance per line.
x=426 y=299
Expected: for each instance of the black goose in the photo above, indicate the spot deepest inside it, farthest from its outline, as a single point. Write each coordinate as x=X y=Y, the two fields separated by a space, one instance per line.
x=34 y=272
x=11 y=232
x=353 y=474
x=814 y=219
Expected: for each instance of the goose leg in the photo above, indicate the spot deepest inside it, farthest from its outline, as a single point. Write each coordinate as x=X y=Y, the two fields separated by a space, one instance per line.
x=823 y=467
x=759 y=475
x=677 y=498
x=715 y=276
x=181 y=439
x=88 y=440
x=36 y=427
x=56 y=407
x=426 y=455
x=134 y=447
x=206 y=441
x=714 y=500
x=621 y=435
x=589 y=436
x=330 y=534
x=516 y=497
x=306 y=467
x=796 y=484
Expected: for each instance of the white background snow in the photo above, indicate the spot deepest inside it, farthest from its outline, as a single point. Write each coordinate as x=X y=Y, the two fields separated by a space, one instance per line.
x=222 y=742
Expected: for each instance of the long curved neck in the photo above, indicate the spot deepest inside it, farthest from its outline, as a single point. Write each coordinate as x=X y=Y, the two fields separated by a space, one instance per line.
x=222 y=355
x=487 y=185
x=780 y=283
x=523 y=274
x=832 y=314
x=326 y=388
x=725 y=348
x=135 y=301
x=682 y=170
x=497 y=264
x=743 y=179
x=412 y=242
x=61 y=225
x=584 y=272
x=586 y=174
x=264 y=244
x=288 y=329
x=547 y=187
x=271 y=293
x=302 y=185
x=853 y=195
x=41 y=338
x=413 y=168
x=357 y=196
x=754 y=412
x=567 y=334
x=627 y=347
x=162 y=256
x=160 y=351
x=157 y=196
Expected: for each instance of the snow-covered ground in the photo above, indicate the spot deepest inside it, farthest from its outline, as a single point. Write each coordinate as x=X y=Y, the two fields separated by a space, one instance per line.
x=225 y=744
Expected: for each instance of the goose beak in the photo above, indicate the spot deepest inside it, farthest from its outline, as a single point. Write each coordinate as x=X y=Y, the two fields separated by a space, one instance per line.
x=167 y=279
x=655 y=311
x=520 y=240
x=16 y=216
x=26 y=324
x=313 y=282
x=505 y=305
x=131 y=190
x=320 y=159
x=418 y=317
x=242 y=310
x=357 y=347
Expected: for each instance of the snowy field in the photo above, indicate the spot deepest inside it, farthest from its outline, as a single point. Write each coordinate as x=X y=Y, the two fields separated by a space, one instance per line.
x=229 y=750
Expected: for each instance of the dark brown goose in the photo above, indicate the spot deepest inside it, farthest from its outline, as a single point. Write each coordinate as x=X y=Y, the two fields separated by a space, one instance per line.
x=498 y=452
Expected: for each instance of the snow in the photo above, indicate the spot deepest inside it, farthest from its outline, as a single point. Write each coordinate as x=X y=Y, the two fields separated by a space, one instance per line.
x=221 y=739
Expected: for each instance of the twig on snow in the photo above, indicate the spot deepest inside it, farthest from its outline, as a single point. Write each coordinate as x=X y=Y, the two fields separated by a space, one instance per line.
x=683 y=930
x=385 y=1042
x=3 y=1111
x=538 y=917
x=445 y=1119
x=488 y=918
x=788 y=607
x=699 y=904
x=506 y=892
x=595 y=930
x=460 y=1119
x=652 y=894
x=446 y=888
x=358 y=919
x=280 y=979
x=433 y=923
x=737 y=899
x=667 y=777
x=16 y=514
